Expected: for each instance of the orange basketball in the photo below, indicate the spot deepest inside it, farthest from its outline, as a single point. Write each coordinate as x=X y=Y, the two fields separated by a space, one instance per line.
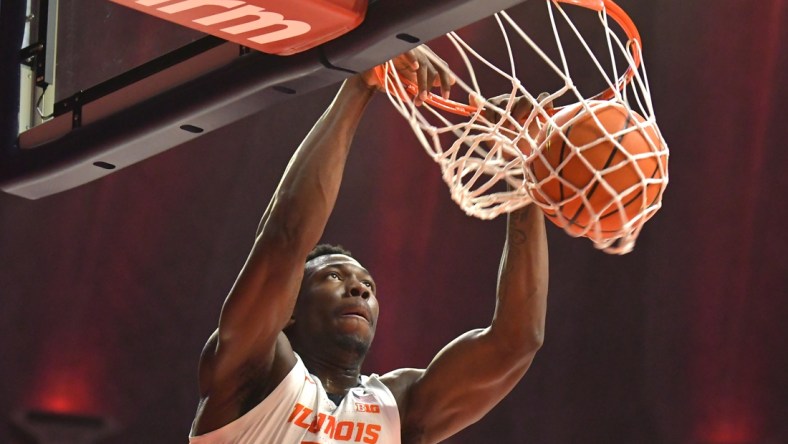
x=574 y=167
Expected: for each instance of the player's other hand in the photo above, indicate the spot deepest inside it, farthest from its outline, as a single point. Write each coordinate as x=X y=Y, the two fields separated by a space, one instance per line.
x=521 y=109
x=422 y=67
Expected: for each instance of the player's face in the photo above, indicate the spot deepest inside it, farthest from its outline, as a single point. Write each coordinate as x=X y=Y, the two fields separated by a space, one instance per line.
x=338 y=299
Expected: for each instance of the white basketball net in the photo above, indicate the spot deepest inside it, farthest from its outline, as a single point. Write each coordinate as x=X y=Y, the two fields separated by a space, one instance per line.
x=480 y=160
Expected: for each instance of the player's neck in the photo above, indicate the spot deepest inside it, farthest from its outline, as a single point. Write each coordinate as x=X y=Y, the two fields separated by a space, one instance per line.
x=337 y=373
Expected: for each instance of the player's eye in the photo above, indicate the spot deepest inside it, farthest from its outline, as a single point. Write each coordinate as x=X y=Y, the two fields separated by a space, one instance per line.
x=334 y=275
x=367 y=284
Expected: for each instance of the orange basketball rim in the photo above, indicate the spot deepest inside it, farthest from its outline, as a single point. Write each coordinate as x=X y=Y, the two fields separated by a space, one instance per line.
x=614 y=11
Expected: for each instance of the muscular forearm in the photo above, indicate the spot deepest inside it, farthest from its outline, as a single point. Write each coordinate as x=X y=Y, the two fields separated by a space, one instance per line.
x=307 y=192
x=475 y=371
x=522 y=283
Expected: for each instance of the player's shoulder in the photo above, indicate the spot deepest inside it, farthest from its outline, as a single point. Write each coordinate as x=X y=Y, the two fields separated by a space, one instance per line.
x=403 y=373
x=400 y=380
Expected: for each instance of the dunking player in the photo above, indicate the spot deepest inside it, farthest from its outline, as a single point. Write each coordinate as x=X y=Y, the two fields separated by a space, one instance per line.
x=283 y=365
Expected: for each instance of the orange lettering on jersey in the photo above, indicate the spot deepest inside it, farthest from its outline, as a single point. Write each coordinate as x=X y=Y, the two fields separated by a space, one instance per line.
x=301 y=420
x=372 y=433
x=366 y=408
x=344 y=431
x=359 y=431
x=338 y=431
x=330 y=426
x=296 y=409
x=317 y=423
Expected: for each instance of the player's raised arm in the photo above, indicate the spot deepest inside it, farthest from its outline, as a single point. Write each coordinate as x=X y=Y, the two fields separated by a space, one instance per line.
x=262 y=298
x=248 y=340
x=475 y=371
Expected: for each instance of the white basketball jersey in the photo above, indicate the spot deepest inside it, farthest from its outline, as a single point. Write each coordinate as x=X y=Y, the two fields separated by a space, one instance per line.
x=298 y=411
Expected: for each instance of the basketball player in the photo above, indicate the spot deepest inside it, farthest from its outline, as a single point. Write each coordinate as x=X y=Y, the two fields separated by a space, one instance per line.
x=284 y=363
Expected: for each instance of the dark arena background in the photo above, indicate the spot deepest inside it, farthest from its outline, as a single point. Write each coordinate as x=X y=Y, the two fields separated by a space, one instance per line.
x=110 y=289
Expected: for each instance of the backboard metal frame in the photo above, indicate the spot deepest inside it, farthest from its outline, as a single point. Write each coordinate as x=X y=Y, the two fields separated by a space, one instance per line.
x=176 y=98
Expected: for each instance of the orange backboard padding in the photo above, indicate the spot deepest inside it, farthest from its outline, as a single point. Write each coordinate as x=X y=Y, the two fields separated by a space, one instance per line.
x=270 y=26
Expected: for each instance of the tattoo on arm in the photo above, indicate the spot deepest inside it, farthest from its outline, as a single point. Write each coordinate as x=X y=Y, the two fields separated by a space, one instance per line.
x=517 y=236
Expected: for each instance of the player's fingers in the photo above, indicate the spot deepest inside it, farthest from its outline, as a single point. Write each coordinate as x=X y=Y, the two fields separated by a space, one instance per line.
x=422 y=80
x=521 y=109
x=404 y=65
x=444 y=78
x=493 y=113
x=409 y=60
x=480 y=104
x=548 y=106
x=432 y=78
x=473 y=101
x=446 y=81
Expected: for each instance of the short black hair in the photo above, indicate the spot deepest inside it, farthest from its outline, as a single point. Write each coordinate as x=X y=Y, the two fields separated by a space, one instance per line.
x=325 y=249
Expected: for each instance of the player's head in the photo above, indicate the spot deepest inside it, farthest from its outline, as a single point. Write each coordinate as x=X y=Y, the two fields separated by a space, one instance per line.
x=326 y=249
x=336 y=304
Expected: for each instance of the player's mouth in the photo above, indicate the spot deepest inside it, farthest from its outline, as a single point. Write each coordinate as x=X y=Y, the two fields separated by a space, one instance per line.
x=357 y=311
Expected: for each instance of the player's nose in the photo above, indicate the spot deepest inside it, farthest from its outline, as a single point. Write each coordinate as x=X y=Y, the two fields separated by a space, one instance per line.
x=356 y=288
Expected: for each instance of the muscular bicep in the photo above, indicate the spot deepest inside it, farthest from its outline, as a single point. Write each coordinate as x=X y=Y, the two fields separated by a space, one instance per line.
x=464 y=382
x=256 y=310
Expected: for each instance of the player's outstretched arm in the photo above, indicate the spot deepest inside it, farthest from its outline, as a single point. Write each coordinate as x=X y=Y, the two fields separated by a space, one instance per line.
x=262 y=298
x=475 y=371
x=248 y=340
